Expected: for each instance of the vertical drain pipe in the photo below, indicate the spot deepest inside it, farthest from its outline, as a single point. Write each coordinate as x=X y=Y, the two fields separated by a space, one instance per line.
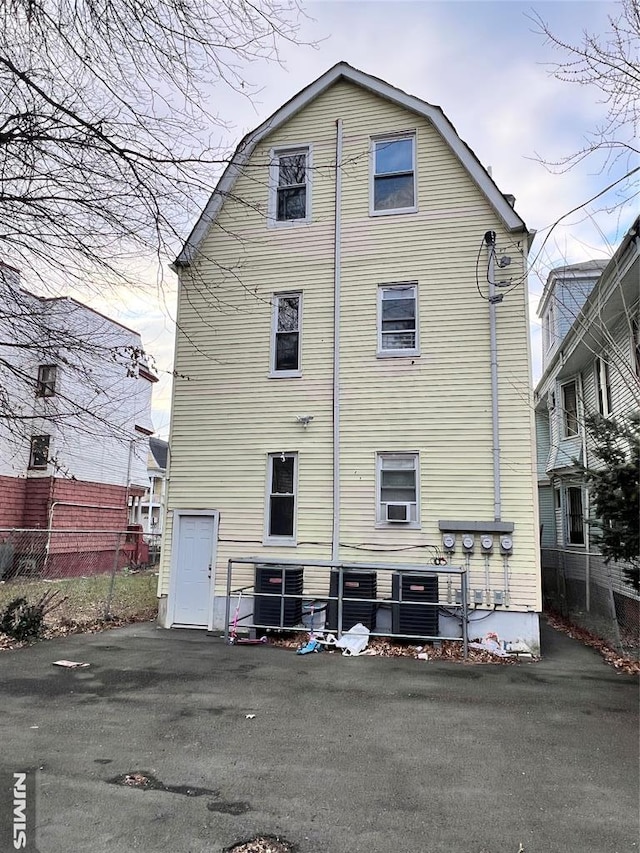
x=337 y=257
x=490 y=240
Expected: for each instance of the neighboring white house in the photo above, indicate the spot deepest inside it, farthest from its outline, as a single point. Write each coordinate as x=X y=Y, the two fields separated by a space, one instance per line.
x=151 y=507
x=75 y=420
x=591 y=364
x=352 y=363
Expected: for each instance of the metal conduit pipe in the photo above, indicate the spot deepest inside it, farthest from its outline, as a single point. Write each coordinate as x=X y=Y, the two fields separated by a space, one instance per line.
x=490 y=239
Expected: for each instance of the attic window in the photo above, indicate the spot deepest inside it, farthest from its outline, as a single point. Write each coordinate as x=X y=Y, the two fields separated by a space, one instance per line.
x=290 y=185
x=393 y=174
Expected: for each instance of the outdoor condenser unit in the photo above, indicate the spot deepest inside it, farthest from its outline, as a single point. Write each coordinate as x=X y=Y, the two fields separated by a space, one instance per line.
x=267 y=610
x=354 y=585
x=409 y=616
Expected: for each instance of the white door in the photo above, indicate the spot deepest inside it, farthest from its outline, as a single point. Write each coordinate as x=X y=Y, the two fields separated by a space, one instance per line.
x=194 y=558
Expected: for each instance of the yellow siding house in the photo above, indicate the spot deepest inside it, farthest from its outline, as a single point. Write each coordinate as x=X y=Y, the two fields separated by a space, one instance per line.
x=353 y=365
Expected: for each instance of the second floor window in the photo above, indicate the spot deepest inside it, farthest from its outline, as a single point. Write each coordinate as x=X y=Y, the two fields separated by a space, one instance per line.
x=397 y=319
x=570 y=409
x=39 y=453
x=46 y=386
x=290 y=197
x=604 y=387
x=393 y=175
x=285 y=345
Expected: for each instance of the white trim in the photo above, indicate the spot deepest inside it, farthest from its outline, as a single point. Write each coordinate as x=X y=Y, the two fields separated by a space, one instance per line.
x=392 y=137
x=173 y=576
x=284 y=374
x=342 y=70
x=274 y=167
x=380 y=512
x=409 y=352
x=286 y=541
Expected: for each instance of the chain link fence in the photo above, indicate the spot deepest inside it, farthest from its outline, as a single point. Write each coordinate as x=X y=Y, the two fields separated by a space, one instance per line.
x=95 y=574
x=589 y=593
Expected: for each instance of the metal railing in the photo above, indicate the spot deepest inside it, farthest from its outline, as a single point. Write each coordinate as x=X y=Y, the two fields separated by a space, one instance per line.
x=458 y=608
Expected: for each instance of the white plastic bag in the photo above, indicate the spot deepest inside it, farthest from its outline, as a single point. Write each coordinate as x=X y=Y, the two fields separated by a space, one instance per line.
x=354 y=641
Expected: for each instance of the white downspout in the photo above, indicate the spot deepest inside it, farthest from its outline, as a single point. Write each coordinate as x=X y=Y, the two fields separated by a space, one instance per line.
x=335 y=541
x=490 y=239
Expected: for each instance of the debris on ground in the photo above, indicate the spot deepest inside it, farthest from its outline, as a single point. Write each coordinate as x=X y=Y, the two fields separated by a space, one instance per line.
x=70 y=664
x=262 y=844
x=621 y=663
x=442 y=650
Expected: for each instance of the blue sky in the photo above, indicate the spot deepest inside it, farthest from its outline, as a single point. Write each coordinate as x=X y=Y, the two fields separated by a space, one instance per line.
x=485 y=65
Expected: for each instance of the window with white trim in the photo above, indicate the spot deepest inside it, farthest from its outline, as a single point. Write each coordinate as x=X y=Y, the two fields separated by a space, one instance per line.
x=574 y=515
x=398 y=320
x=603 y=386
x=282 y=498
x=46 y=386
x=285 y=335
x=290 y=196
x=39 y=452
x=570 y=409
x=397 y=489
x=393 y=174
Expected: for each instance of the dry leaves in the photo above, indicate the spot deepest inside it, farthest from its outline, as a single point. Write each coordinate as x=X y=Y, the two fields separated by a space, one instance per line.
x=612 y=657
x=385 y=647
x=262 y=844
x=68 y=627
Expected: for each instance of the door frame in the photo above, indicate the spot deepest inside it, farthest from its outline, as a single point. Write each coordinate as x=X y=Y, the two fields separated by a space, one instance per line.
x=173 y=578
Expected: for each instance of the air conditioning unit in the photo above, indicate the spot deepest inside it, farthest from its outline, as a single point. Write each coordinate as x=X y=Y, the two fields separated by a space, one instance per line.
x=398 y=513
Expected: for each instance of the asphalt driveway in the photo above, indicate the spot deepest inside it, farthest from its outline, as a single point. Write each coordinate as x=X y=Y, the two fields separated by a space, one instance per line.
x=343 y=755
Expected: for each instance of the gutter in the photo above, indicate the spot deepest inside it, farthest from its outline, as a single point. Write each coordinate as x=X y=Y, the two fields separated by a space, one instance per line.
x=337 y=258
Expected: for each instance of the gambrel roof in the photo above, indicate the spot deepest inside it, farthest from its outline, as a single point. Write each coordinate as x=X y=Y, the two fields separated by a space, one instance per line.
x=344 y=71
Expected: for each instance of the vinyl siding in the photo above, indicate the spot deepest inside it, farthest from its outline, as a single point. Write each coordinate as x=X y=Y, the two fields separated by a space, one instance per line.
x=228 y=415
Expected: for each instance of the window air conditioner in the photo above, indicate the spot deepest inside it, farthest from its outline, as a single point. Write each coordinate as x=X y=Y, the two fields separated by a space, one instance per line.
x=398 y=513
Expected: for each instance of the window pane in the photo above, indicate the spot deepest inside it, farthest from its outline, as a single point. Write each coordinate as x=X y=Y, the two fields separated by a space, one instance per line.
x=397 y=486
x=281 y=515
x=39 y=451
x=282 y=479
x=576 y=525
x=393 y=193
x=293 y=170
x=287 y=351
x=394 y=156
x=398 y=340
x=398 y=463
x=570 y=406
x=288 y=307
x=292 y=203
x=401 y=479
